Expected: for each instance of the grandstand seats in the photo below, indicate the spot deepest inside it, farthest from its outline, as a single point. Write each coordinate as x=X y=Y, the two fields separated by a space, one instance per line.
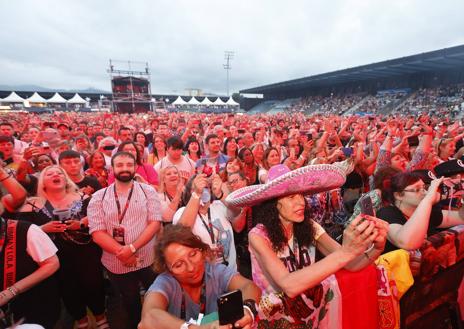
x=438 y=101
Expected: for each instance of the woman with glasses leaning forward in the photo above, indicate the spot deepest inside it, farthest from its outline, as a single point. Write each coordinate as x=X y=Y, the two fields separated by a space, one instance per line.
x=189 y=284
x=413 y=213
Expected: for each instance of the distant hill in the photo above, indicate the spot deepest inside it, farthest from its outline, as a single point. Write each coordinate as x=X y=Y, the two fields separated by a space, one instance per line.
x=90 y=90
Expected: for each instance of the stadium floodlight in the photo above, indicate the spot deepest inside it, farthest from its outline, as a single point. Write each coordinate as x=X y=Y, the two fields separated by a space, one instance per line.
x=228 y=56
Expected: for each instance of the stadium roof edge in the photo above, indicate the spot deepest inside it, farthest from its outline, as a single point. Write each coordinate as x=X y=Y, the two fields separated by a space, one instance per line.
x=441 y=59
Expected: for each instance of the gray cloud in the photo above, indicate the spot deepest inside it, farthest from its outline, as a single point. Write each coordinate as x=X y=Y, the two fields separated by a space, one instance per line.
x=67 y=44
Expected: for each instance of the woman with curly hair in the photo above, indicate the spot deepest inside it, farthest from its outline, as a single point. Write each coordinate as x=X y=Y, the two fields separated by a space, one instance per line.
x=298 y=289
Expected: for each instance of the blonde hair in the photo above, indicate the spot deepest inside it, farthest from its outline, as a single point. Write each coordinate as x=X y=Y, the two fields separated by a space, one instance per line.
x=162 y=173
x=70 y=185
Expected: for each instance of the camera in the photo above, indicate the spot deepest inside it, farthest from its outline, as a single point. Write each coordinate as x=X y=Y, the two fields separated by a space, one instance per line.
x=446 y=189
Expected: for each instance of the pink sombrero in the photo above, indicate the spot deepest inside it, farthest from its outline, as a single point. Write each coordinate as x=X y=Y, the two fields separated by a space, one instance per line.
x=281 y=182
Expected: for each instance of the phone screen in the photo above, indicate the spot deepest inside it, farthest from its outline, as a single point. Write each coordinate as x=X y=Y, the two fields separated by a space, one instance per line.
x=413 y=141
x=347 y=151
x=366 y=206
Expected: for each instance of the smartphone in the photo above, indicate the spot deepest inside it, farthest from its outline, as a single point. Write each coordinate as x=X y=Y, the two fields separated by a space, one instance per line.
x=413 y=141
x=366 y=206
x=347 y=151
x=230 y=307
x=241 y=131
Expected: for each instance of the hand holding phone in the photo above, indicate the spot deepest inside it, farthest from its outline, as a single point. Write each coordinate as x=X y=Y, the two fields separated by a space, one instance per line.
x=230 y=307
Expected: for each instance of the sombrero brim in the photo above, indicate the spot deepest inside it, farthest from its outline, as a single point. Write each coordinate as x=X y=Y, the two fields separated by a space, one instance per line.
x=306 y=180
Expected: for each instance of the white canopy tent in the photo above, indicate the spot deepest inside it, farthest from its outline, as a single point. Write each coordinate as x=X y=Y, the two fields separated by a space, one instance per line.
x=193 y=101
x=219 y=101
x=13 y=98
x=206 y=102
x=36 y=98
x=56 y=99
x=76 y=99
x=179 y=101
x=231 y=102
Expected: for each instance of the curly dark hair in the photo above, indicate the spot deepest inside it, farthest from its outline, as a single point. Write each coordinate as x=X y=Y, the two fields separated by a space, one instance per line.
x=267 y=214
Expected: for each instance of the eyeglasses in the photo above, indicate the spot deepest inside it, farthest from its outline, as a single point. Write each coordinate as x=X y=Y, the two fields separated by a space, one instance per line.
x=416 y=190
x=193 y=257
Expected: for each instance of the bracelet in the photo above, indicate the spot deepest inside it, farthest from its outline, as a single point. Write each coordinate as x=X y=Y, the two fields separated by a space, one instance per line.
x=251 y=313
x=366 y=253
x=8 y=176
x=251 y=306
x=220 y=197
x=14 y=291
x=195 y=195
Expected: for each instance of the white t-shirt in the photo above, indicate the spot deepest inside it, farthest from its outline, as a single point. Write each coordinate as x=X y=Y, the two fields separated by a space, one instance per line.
x=39 y=246
x=186 y=167
x=222 y=229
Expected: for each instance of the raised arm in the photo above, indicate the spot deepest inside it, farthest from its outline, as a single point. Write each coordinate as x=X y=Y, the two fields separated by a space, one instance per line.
x=411 y=235
x=294 y=283
x=190 y=213
x=16 y=192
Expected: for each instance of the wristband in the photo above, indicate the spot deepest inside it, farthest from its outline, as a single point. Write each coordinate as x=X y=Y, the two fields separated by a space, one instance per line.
x=220 y=197
x=245 y=307
x=132 y=248
x=13 y=290
x=195 y=195
x=8 y=176
x=250 y=304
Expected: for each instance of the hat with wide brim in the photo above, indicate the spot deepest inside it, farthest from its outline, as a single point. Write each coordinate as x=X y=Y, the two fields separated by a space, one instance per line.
x=282 y=182
x=449 y=168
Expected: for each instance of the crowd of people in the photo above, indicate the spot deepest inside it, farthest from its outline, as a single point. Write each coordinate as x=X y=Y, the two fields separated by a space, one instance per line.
x=435 y=101
x=189 y=206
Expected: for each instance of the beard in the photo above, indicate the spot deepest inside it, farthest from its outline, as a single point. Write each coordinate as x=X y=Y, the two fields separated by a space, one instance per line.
x=124 y=176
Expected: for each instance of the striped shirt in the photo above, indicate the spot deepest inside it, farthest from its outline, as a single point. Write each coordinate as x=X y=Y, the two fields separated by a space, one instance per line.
x=144 y=208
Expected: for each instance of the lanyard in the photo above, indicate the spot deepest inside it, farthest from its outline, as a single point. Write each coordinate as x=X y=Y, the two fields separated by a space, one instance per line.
x=202 y=301
x=208 y=226
x=121 y=215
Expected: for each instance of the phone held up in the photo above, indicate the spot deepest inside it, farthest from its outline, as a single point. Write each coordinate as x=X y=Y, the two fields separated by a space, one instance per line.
x=367 y=207
x=230 y=307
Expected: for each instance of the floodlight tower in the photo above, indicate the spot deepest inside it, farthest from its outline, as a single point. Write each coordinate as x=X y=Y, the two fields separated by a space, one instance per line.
x=228 y=56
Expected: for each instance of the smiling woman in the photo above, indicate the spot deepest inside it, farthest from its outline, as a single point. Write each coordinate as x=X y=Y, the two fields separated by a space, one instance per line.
x=297 y=289
x=189 y=284
x=61 y=211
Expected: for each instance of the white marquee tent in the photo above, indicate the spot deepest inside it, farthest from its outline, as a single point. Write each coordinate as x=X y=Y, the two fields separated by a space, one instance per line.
x=206 y=102
x=56 y=99
x=179 y=101
x=76 y=99
x=219 y=101
x=13 y=98
x=231 y=101
x=193 y=101
x=36 y=98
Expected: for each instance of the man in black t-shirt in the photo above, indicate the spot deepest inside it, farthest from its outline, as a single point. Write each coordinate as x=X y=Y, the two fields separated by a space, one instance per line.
x=71 y=162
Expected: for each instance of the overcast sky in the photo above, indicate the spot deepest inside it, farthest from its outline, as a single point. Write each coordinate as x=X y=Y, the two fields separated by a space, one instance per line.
x=67 y=44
